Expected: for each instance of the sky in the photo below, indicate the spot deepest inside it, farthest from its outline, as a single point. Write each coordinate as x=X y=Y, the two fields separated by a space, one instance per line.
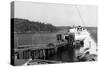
x=57 y=14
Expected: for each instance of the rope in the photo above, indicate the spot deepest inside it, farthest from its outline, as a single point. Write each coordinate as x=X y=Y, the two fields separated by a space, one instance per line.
x=80 y=16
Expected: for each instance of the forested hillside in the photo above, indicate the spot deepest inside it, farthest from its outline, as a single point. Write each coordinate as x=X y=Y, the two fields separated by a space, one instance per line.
x=26 y=26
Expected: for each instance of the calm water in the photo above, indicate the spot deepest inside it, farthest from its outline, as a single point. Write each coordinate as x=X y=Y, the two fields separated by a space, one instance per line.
x=67 y=55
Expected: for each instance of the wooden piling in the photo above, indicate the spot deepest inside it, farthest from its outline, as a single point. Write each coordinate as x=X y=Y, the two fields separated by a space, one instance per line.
x=40 y=53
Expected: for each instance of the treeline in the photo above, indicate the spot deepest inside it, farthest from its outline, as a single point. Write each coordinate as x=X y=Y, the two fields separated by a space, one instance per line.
x=26 y=26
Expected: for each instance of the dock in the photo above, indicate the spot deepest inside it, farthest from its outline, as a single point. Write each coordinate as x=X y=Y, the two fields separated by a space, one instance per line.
x=37 y=52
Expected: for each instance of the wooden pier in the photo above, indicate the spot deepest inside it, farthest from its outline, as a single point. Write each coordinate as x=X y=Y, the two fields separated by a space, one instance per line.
x=43 y=52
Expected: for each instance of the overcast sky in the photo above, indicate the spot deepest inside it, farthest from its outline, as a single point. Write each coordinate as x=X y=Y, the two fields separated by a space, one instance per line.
x=56 y=14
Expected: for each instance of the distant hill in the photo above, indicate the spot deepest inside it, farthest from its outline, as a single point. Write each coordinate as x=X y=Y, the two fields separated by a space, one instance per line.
x=63 y=27
x=26 y=26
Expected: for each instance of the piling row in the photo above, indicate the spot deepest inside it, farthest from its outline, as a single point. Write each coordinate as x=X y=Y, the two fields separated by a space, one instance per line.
x=36 y=53
x=40 y=53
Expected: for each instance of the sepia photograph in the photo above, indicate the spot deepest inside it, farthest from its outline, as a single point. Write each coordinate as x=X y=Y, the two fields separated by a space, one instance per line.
x=50 y=33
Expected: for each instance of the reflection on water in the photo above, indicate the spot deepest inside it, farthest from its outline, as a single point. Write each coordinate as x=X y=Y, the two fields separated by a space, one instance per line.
x=66 y=55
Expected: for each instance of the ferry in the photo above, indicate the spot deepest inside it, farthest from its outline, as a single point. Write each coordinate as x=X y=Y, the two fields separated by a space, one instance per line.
x=81 y=40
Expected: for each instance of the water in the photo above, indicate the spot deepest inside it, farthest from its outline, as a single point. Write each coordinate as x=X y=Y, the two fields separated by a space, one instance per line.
x=66 y=55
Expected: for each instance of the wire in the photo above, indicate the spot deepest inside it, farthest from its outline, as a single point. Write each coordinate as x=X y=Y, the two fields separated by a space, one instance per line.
x=80 y=15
